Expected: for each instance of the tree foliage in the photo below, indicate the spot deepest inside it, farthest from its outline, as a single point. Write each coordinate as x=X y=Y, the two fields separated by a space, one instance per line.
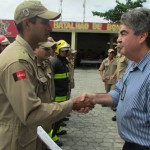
x=114 y=15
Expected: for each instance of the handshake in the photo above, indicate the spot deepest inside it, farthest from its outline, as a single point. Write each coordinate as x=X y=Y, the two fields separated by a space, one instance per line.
x=83 y=103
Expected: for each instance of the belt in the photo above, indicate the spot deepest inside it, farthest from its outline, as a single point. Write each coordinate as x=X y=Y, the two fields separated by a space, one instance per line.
x=134 y=146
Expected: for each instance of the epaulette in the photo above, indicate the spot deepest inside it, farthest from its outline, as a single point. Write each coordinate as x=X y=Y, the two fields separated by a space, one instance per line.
x=23 y=56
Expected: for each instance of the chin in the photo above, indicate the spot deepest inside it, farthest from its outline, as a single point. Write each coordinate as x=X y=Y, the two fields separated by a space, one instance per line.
x=122 y=51
x=44 y=39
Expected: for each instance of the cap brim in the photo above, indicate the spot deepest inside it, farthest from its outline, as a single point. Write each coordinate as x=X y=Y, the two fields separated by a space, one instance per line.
x=50 y=39
x=5 y=43
x=47 y=44
x=111 y=52
x=50 y=15
x=73 y=51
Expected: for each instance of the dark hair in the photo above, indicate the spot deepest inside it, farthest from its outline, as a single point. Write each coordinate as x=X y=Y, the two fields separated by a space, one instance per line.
x=19 y=26
x=138 y=19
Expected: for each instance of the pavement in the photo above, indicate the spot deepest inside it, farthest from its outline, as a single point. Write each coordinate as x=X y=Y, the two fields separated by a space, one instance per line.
x=94 y=130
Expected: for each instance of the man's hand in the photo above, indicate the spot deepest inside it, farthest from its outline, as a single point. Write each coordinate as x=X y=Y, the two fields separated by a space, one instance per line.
x=113 y=77
x=103 y=79
x=83 y=104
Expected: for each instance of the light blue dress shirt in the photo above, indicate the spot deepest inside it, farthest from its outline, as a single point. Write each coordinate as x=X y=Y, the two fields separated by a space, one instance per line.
x=132 y=97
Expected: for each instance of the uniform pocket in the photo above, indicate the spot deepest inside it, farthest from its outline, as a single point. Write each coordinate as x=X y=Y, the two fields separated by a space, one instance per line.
x=27 y=138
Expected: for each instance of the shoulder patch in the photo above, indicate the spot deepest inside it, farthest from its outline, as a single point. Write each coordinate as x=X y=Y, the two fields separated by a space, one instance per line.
x=20 y=75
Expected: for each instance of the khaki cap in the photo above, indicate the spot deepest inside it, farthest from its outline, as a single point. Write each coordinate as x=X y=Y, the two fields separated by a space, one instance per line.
x=46 y=44
x=51 y=40
x=73 y=51
x=111 y=51
x=31 y=8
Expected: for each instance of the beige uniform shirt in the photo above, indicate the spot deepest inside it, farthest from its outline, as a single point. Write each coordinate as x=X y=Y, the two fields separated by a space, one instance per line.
x=71 y=78
x=25 y=99
x=122 y=63
x=48 y=89
x=71 y=74
x=108 y=69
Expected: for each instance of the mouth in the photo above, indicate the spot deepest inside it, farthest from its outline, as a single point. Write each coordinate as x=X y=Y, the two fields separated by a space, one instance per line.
x=119 y=46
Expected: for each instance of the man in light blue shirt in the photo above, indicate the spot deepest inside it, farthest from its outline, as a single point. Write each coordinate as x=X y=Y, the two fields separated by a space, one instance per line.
x=132 y=92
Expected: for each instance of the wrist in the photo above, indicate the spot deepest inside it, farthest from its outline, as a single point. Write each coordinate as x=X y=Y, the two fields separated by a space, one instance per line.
x=93 y=98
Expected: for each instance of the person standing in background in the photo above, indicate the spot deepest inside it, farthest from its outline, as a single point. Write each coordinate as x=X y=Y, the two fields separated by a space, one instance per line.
x=42 y=52
x=61 y=80
x=122 y=63
x=71 y=58
x=53 y=48
x=107 y=69
x=4 y=42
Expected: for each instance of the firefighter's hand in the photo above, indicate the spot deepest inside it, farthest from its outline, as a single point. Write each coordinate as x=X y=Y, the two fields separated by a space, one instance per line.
x=103 y=79
x=82 y=104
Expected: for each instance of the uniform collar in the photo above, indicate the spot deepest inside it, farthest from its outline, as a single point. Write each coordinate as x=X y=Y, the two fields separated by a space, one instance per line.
x=111 y=60
x=28 y=48
x=44 y=64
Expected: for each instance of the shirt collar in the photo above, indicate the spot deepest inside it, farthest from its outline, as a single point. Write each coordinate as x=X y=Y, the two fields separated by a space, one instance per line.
x=28 y=48
x=142 y=63
x=44 y=64
x=111 y=60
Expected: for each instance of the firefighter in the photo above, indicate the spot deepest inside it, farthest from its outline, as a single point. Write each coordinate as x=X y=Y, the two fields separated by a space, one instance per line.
x=3 y=42
x=50 y=39
x=61 y=79
x=70 y=58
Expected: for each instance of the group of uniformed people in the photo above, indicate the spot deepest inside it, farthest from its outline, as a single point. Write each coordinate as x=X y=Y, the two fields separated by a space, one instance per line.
x=63 y=73
x=112 y=69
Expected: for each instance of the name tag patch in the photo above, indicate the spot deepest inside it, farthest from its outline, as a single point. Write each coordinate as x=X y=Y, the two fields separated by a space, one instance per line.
x=20 y=75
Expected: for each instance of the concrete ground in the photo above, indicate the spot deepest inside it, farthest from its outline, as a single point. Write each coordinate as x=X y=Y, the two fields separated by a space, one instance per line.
x=94 y=130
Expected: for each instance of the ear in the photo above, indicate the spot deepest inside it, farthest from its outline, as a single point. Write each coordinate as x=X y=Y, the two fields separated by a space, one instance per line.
x=143 y=37
x=26 y=25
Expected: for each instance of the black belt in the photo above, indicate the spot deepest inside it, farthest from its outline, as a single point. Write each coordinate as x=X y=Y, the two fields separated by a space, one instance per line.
x=134 y=146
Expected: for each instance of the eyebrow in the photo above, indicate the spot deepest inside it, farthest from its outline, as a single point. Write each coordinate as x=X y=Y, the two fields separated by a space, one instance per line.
x=123 y=31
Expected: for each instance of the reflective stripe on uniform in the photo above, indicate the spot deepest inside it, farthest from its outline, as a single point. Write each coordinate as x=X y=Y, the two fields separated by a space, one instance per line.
x=60 y=130
x=55 y=138
x=61 y=76
x=60 y=98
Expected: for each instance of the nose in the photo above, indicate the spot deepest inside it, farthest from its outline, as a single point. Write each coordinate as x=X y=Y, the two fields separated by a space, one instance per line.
x=119 y=39
x=50 y=28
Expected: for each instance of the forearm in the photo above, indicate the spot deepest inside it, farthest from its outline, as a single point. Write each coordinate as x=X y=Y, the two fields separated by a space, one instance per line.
x=115 y=74
x=104 y=99
x=101 y=73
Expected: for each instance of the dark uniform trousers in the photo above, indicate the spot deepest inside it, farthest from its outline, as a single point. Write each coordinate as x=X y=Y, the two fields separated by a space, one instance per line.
x=133 y=146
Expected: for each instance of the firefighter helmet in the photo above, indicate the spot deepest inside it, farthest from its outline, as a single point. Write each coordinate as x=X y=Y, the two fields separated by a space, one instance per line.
x=4 y=40
x=62 y=45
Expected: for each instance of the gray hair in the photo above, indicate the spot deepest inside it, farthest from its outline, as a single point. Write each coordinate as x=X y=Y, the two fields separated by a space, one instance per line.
x=138 y=20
